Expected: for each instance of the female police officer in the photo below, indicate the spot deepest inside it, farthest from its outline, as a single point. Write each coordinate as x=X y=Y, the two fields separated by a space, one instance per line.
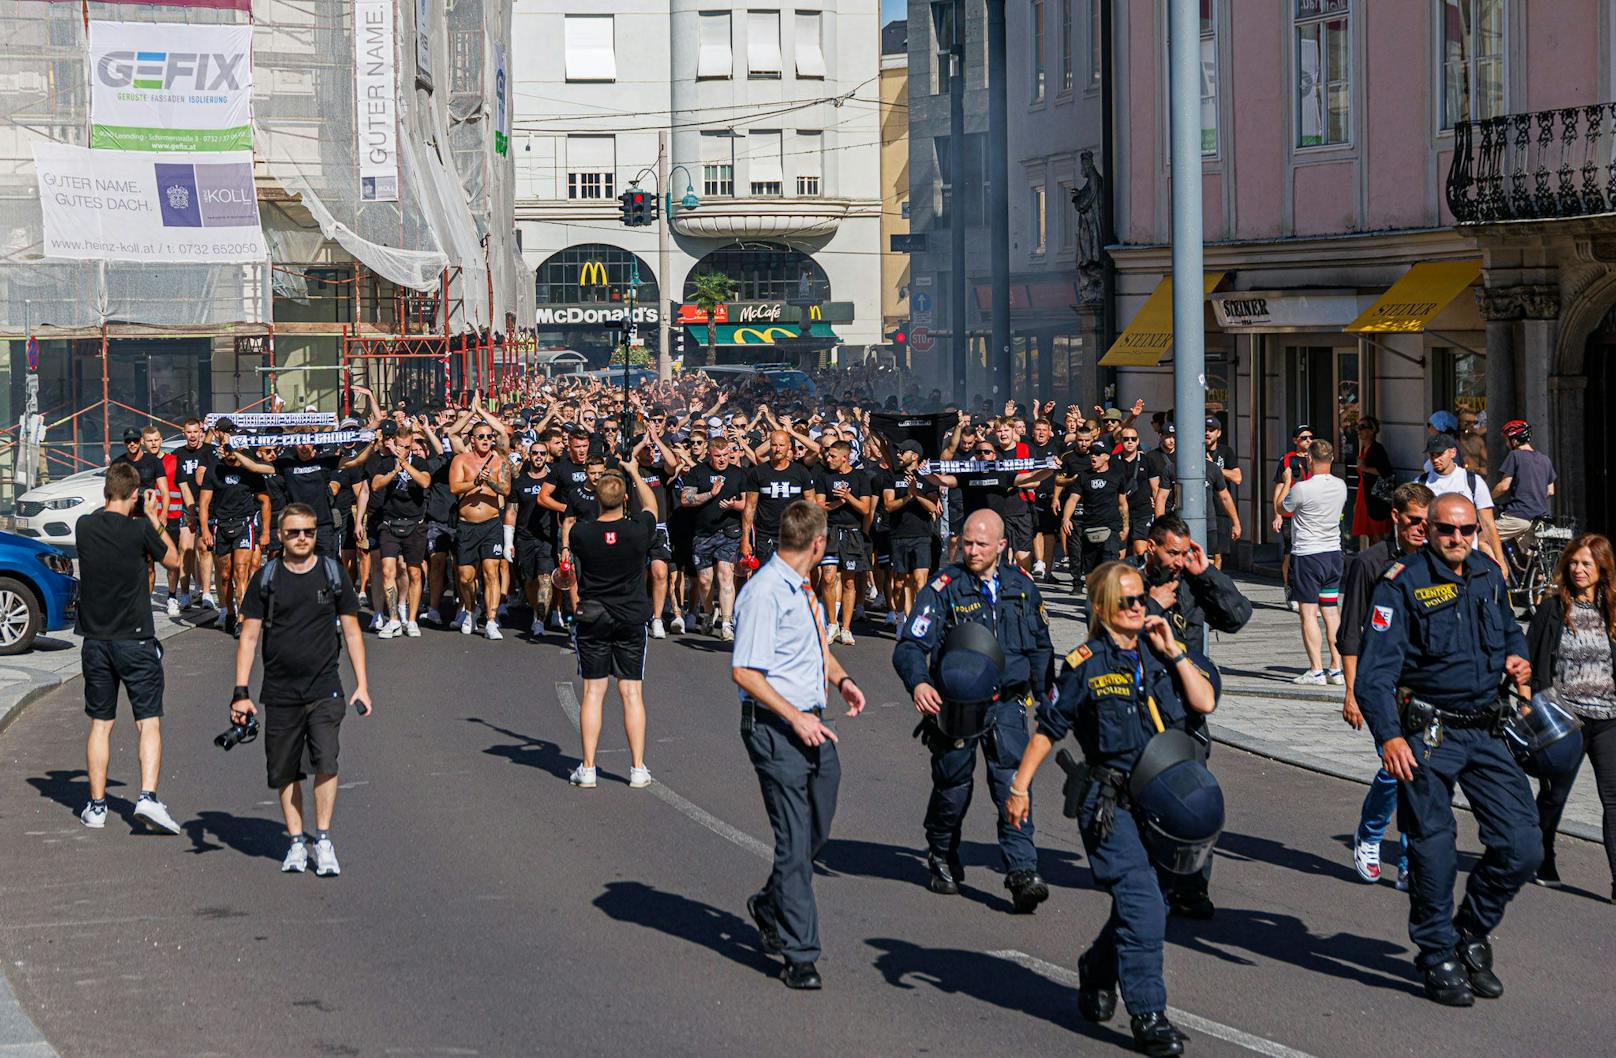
x=1131 y=681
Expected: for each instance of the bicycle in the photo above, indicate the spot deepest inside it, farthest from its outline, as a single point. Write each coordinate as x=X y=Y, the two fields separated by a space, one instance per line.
x=1532 y=558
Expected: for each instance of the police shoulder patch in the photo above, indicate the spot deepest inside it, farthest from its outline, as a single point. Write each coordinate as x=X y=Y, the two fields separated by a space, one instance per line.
x=1078 y=656
x=1392 y=571
x=940 y=582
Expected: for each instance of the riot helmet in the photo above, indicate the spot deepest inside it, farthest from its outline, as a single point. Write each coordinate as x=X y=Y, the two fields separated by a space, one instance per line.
x=1179 y=803
x=1542 y=734
x=966 y=673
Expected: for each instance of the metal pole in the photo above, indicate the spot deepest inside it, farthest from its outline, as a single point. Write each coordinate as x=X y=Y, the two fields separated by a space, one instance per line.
x=1003 y=368
x=663 y=261
x=1189 y=337
x=956 y=219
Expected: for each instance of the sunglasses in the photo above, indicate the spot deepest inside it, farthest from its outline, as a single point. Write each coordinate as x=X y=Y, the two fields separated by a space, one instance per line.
x=293 y=534
x=1128 y=602
x=1130 y=440
x=986 y=452
x=482 y=437
x=1305 y=437
x=1450 y=529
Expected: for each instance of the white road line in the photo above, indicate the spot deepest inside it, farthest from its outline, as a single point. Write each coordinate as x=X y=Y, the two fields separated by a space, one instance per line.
x=1216 y=1029
x=569 y=705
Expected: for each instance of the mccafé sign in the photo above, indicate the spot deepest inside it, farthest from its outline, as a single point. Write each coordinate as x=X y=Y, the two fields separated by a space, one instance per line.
x=745 y=312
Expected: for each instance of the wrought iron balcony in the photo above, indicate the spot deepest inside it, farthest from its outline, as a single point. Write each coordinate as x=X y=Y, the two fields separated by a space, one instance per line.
x=1547 y=165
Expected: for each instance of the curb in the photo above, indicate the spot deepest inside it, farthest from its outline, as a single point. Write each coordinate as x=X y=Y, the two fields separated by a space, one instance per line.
x=40 y=686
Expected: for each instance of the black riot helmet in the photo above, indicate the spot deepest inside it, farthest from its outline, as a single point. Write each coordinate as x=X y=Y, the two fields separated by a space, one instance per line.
x=966 y=672
x=1542 y=734
x=1180 y=804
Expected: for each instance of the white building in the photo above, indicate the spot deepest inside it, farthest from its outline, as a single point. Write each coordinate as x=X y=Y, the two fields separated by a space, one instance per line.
x=772 y=114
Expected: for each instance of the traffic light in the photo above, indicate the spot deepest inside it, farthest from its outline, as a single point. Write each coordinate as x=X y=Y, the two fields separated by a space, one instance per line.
x=900 y=341
x=637 y=207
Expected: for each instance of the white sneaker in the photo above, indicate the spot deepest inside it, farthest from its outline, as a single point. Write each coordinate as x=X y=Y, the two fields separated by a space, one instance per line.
x=558 y=622
x=639 y=778
x=390 y=630
x=1402 y=882
x=325 y=859
x=657 y=631
x=870 y=594
x=1290 y=604
x=491 y=630
x=432 y=617
x=376 y=622
x=155 y=815
x=1311 y=679
x=582 y=777
x=468 y=622
x=847 y=637
x=1336 y=677
x=218 y=619
x=412 y=629
x=297 y=858
x=833 y=635
x=677 y=625
x=93 y=817
x=1039 y=569
x=727 y=632
x=173 y=606
x=537 y=627
x=1366 y=859
x=209 y=601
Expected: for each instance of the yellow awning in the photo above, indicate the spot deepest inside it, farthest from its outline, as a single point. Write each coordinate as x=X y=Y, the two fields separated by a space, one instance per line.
x=1150 y=335
x=1414 y=300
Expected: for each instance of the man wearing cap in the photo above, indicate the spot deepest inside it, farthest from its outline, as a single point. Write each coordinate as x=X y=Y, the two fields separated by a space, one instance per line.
x=1445 y=475
x=912 y=503
x=1220 y=534
x=1161 y=471
x=1104 y=522
x=1294 y=466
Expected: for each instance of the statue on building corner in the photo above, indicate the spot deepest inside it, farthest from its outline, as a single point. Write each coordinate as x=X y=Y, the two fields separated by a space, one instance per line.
x=1093 y=206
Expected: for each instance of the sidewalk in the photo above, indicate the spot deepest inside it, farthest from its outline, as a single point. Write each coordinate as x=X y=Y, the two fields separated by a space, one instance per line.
x=53 y=661
x=1264 y=713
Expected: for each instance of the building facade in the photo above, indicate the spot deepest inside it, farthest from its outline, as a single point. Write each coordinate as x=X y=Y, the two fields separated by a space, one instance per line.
x=771 y=115
x=894 y=174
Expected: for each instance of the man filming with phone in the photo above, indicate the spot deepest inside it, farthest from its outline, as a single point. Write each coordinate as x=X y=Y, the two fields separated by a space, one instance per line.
x=291 y=603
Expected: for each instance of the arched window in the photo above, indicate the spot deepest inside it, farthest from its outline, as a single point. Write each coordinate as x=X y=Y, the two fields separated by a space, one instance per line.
x=763 y=272
x=593 y=274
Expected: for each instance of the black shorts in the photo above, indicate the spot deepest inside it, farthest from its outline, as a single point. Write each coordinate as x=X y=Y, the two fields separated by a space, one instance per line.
x=235 y=536
x=881 y=544
x=910 y=553
x=1317 y=578
x=346 y=524
x=134 y=664
x=1285 y=535
x=440 y=538
x=682 y=538
x=711 y=548
x=477 y=542
x=1018 y=529
x=661 y=546
x=1217 y=535
x=764 y=547
x=535 y=558
x=299 y=739
x=326 y=540
x=1139 y=526
x=405 y=542
x=619 y=651
x=846 y=548
x=1046 y=521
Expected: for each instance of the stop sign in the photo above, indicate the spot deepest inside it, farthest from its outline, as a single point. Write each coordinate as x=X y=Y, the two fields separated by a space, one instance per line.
x=920 y=339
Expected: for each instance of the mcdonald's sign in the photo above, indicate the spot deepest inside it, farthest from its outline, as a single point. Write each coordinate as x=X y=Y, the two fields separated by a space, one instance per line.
x=816 y=312
x=592 y=274
x=762 y=335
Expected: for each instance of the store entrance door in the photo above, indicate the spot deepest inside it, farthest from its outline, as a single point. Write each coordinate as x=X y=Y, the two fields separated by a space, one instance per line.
x=1327 y=392
x=1599 y=431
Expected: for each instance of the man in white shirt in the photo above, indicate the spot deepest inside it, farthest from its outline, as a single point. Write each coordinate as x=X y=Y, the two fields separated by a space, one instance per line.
x=1315 y=506
x=1447 y=475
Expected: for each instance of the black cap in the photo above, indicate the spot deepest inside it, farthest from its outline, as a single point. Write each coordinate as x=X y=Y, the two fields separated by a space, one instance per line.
x=1098 y=448
x=1168 y=429
x=131 y=435
x=1439 y=443
x=912 y=446
x=1301 y=427
x=225 y=424
x=1213 y=423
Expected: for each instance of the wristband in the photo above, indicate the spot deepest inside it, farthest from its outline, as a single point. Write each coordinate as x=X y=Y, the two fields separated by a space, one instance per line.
x=1020 y=793
x=1182 y=655
x=843 y=682
x=241 y=692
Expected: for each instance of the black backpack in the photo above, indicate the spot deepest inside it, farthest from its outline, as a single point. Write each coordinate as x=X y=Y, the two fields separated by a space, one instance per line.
x=266 y=586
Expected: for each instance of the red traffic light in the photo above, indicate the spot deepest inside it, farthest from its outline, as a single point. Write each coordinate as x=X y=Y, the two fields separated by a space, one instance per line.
x=900 y=338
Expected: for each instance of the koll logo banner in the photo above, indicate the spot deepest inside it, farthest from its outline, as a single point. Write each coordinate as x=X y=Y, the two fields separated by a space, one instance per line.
x=170 y=87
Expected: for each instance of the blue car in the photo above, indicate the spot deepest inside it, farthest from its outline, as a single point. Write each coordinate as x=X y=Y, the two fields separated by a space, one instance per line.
x=38 y=592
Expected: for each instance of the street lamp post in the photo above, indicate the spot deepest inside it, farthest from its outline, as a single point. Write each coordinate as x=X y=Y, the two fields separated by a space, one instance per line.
x=664 y=251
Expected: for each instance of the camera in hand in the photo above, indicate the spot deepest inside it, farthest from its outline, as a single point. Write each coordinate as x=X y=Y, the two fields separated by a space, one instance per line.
x=236 y=734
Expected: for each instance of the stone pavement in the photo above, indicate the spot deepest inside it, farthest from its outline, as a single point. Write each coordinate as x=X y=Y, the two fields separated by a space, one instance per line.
x=53 y=661
x=1264 y=713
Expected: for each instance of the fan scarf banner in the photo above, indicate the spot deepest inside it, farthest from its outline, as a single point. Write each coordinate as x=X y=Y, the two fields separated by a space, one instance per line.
x=162 y=86
x=251 y=420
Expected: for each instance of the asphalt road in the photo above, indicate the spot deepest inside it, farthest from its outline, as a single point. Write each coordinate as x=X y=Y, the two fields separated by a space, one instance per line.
x=485 y=907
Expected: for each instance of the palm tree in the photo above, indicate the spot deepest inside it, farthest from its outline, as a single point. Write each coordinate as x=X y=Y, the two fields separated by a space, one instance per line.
x=712 y=290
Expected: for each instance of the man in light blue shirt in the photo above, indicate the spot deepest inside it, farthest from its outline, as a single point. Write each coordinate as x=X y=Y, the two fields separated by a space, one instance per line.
x=782 y=665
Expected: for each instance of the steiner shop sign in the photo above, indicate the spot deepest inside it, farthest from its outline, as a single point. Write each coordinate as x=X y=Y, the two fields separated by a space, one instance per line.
x=134 y=206
x=170 y=87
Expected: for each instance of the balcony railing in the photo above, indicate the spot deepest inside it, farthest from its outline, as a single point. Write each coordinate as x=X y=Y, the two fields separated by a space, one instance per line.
x=1547 y=165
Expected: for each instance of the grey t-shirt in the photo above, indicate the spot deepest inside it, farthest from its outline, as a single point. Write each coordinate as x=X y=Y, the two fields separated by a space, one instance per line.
x=1529 y=493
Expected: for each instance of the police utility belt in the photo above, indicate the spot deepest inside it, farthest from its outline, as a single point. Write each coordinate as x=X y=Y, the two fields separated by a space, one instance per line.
x=1081 y=777
x=1420 y=717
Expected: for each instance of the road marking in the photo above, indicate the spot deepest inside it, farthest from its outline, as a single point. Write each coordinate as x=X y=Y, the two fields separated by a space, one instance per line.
x=1226 y=1033
x=569 y=705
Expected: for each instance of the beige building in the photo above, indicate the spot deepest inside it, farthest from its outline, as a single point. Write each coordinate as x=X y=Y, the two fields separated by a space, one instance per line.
x=894 y=176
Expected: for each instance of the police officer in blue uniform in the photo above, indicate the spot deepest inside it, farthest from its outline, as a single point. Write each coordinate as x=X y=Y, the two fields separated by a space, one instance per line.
x=1130 y=682
x=1003 y=598
x=1437 y=643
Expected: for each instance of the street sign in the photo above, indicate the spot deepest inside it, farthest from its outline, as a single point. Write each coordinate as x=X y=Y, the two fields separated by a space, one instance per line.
x=914 y=242
x=920 y=302
x=920 y=340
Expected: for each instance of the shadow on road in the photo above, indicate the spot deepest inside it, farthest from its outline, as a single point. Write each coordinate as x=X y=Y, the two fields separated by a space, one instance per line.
x=527 y=750
x=1286 y=939
x=984 y=880
x=248 y=835
x=71 y=789
x=688 y=920
x=1251 y=848
x=999 y=982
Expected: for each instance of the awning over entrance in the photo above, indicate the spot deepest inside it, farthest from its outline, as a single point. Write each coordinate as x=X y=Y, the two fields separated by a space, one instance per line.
x=1416 y=299
x=1150 y=335
x=753 y=334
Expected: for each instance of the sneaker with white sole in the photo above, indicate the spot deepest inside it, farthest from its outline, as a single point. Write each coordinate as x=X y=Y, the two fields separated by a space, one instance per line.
x=173 y=606
x=376 y=622
x=1039 y=569
x=491 y=630
x=93 y=817
x=657 y=630
x=325 y=859
x=558 y=622
x=219 y=617
x=709 y=625
x=432 y=617
x=297 y=858
x=468 y=622
x=1402 y=882
x=154 y=814
x=677 y=625
x=537 y=627
x=412 y=629
x=583 y=778
x=1366 y=860
x=185 y=600
x=847 y=637
x=727 y=632
x=390 y=630
x=1310 y=679
x=833 y=634
x=639 y=778
x=1335 y=677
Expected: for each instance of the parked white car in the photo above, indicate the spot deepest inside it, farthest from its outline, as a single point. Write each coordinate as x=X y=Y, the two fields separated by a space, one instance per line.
x=51 y=512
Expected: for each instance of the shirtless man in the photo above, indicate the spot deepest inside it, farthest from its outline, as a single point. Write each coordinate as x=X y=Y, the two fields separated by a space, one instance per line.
x=480 y=479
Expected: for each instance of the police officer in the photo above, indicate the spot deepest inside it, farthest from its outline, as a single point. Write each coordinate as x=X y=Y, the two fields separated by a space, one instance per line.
x=1440 y=630
x=1131 y=681
x=1004 y=599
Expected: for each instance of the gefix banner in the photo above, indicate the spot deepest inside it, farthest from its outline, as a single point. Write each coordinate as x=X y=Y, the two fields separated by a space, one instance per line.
x=136 y=206
x=162 y=86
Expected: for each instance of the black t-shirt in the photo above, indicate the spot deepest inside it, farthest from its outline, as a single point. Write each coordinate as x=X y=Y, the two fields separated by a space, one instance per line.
x=532 y=517
x=911 y=521
x=1222 y=457
x=611 y=557
x=710 y=517
x=582 y=505
x=1136 y=482
x=656 y=476
x=776 y=490
x=1098 y=491
x=567 y=476
x=302 y=649
x=826 y=482
x=187 y=461
x=992 y=489
x=235 y=492
x=309 y=481
x=403 y=500
x=150 y=468
x=346 y=480
x=440 y=500
x=1161 y=466
x=1045 y=488
x=1014 y=503
x=113 y=549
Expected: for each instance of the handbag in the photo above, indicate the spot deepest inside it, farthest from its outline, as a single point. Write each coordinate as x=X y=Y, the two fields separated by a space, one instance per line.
x=1383 y=488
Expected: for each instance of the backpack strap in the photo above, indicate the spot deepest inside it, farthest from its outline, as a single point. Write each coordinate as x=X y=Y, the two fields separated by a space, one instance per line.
x=266 y=590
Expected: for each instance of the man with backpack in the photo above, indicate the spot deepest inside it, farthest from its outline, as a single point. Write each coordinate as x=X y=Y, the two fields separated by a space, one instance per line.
x=1445 y=474
x=305 y=608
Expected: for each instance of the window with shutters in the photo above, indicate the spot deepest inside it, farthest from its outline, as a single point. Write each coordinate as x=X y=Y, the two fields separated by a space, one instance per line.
x=714 y=59
x=809 y=158
x=809 y=45
x=763 y=163
x=763 y=45
x=590 y=48
x=717 y=165
x=591 y=167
